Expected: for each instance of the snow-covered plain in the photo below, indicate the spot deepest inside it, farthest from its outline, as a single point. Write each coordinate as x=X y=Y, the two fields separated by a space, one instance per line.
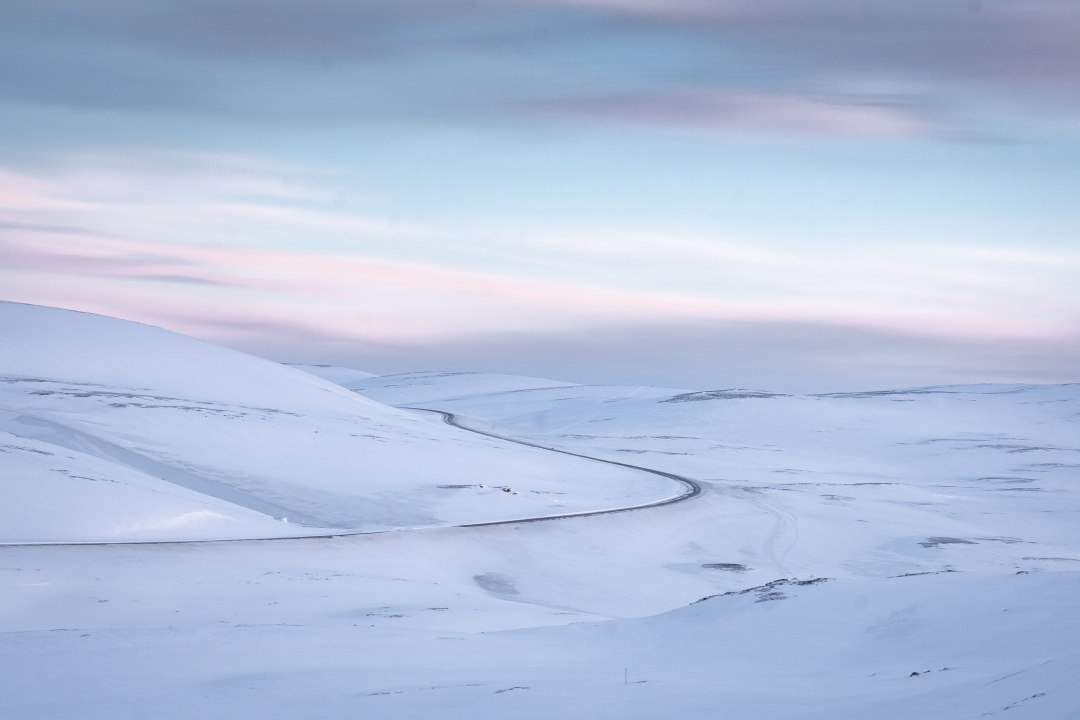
x=892 y=555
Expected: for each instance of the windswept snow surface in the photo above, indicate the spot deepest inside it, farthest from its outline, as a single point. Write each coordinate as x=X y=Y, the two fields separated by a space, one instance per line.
x=336 y=375
x=424 y=388
x=261 y=440
x=896 y=555
x=906 y=472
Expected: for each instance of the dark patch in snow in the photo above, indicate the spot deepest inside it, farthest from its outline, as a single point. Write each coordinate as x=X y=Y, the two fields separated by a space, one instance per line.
x=1023 y=448
x=774 y=595
x=496 y=583
x=23 y=448
x=1008 y=447
x=768 y=591
x=928 y=572
x=14 y=380
x=932 y=542
x=887 y=393
x=730 y=567
x=1018 y=702
x=732 y=394
x=81 y=477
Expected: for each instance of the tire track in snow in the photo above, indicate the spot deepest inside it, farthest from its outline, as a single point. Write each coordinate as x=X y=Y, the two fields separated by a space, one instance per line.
x=783 y=522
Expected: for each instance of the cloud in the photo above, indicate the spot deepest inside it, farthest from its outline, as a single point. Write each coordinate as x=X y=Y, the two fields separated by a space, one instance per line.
x=362 y=296
x=239 y=249
x=735 y=313
x=1036 y=40
x=915 y=290
x=860 y=68
x=271 y=252
x=114 y=236
x=763 y=113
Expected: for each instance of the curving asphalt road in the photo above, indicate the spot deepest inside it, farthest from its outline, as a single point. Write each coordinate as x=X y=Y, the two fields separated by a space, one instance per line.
x=692 y=489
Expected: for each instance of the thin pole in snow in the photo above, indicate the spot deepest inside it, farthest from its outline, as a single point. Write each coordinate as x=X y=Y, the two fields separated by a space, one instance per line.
x=625 y=677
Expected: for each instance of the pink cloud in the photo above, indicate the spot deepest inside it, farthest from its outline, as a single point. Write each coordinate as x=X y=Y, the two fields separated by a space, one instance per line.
x=575 y=279
x=761 y=113
x=379 y=299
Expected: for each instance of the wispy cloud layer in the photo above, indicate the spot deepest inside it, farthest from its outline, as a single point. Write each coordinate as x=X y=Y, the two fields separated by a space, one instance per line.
x=846 y=66
x=765 y=114
x=393 y=317
x=359 y=283
x=403 y=174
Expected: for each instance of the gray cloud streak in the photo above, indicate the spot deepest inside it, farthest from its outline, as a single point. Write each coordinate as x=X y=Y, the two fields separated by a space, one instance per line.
x=468 y=62
x=126 y=266
x=768 y=113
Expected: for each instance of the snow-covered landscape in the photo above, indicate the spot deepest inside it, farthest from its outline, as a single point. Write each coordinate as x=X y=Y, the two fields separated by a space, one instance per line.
x=189 y=531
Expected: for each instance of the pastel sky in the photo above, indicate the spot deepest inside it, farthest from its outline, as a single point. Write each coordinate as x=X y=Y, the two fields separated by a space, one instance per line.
x=786 y=194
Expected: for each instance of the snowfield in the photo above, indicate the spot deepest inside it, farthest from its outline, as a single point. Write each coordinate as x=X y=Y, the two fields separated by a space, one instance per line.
x=897 y=554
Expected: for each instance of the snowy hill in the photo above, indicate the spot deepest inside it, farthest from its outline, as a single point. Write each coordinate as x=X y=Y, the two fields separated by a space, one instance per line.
x=201 y=428
x=902 y=481
x=418 y=388
x=897 y=554
x=336 y=375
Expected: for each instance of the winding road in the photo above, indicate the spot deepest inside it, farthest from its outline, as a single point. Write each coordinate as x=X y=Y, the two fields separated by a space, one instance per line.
x=691 y=489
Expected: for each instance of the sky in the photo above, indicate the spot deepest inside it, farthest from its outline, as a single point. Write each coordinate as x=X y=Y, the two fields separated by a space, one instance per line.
x=793 y=195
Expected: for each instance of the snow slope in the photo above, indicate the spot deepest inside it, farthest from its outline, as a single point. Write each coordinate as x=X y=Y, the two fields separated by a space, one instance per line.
x=531 y=621
x=54 y=494
x=892 y=555
x=421 y=388
x=257 y=435
x=336 y=375
x=895 y=481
